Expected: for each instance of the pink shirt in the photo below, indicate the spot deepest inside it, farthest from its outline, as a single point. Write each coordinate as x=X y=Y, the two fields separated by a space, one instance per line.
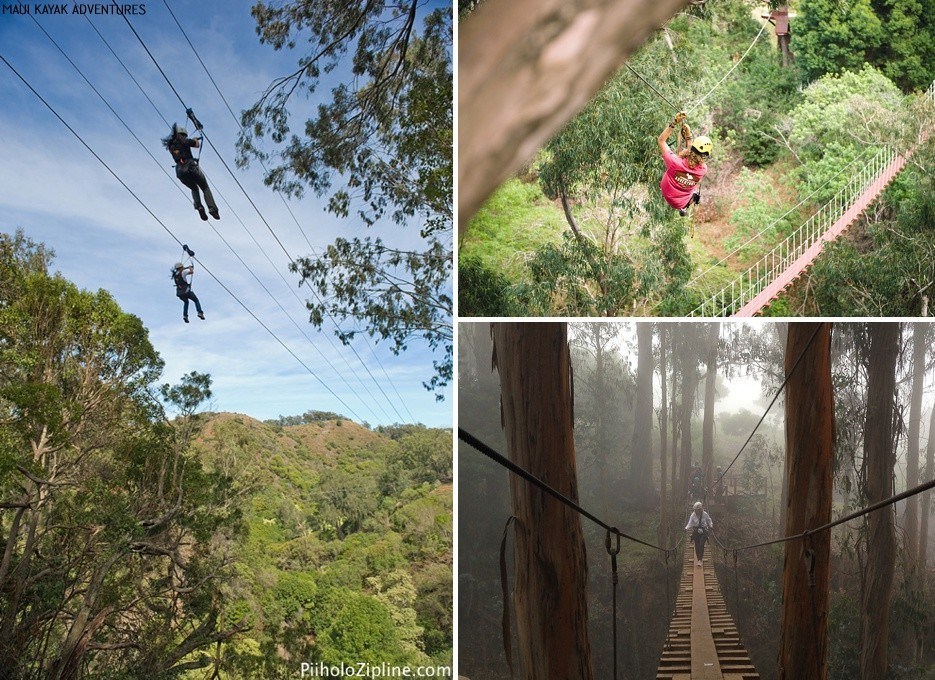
x=679 y=182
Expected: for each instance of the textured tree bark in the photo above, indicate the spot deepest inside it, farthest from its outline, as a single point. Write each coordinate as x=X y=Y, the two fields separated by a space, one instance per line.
x=641 y=447
x=525 y=67
x=879 y=459
x=550 y=593
x=803 y=645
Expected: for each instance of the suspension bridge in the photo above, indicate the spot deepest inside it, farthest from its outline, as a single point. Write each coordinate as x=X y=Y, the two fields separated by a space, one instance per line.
x=703 y=642
x=763 y=281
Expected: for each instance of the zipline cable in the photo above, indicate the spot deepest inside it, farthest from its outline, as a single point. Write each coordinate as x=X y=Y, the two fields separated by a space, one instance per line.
x=174 y=237
x=135 y=82
x=174 y=183
x=285 y=203
x=207 y=139
x=259 y=212
x=650 y=85
x=698 y=103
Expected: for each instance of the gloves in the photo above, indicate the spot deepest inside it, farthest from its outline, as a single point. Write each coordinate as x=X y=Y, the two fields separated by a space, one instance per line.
x=679 y=118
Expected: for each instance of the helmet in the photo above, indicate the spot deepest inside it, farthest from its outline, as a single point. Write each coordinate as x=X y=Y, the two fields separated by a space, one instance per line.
x=697 y=505
x=180 y=130
x=702 y=145
x=178 y=265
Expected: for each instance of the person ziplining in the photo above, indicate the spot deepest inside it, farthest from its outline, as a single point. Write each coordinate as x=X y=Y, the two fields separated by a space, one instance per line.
x=188 y=170
x=685 y=167
x=182 y=278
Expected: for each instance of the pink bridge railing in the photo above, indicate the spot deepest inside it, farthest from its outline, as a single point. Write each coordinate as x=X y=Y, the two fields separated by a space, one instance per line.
x=765 y=279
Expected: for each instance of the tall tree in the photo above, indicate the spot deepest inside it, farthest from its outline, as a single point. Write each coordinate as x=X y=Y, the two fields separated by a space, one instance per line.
x=381 y=147
x=597 y=383
x=707 y=435
x=641 y=446
x=112 y=557
x=927 y=497
x=803 y=648
x=550 y=592
x=911 y=525
x=879 y=459
x=831 y=37
x=663 y=434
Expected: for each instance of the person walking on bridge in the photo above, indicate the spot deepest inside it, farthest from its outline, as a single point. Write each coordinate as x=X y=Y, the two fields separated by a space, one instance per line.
x=699 y=524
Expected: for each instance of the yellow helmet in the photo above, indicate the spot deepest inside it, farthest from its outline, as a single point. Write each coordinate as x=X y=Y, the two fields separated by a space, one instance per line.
x=702 y=145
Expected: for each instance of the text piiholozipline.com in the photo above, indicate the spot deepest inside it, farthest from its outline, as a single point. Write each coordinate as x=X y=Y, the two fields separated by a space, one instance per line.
x=366 y=670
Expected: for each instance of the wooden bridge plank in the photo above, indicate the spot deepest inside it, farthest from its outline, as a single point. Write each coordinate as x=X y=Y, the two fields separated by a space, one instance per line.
x=705 y=665
x=692 y=652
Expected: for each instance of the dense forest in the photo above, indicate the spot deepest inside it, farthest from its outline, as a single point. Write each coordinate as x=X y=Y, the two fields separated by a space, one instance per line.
x=647 y=403
x=582 y=229
x=143 y=536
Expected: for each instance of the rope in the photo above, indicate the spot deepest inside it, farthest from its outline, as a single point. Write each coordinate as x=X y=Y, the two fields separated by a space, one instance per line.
x=669 y=611
x=650 y=85
x=698 y=103
x=481 y=447
x=775 y=397
x=854 y=515
x=736 y=590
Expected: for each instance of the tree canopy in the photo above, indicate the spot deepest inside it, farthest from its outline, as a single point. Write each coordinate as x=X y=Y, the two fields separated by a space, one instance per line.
x=380 y=147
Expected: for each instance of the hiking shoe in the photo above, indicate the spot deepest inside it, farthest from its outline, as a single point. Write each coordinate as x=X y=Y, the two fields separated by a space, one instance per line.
x=202 y=213
x=682 y=212
x=214 y=213
x=201 y=315
x=185 y=319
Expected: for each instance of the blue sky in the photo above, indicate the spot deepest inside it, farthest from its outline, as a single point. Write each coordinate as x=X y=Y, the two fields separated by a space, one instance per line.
x=59 y=194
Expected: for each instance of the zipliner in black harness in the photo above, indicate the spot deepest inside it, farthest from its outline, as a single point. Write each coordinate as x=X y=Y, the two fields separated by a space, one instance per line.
x=188 y=170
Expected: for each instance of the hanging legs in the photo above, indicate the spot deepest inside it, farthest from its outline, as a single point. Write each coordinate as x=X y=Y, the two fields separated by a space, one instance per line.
x=185 y=298
x=195 y=179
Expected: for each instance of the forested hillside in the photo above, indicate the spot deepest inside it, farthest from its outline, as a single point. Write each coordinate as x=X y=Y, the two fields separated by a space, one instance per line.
x=583 y=229
x=142 y=537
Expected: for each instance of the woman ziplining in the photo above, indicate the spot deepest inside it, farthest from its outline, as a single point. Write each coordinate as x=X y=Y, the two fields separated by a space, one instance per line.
x=182 y=278
x=188 y=170
x=685 y=168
